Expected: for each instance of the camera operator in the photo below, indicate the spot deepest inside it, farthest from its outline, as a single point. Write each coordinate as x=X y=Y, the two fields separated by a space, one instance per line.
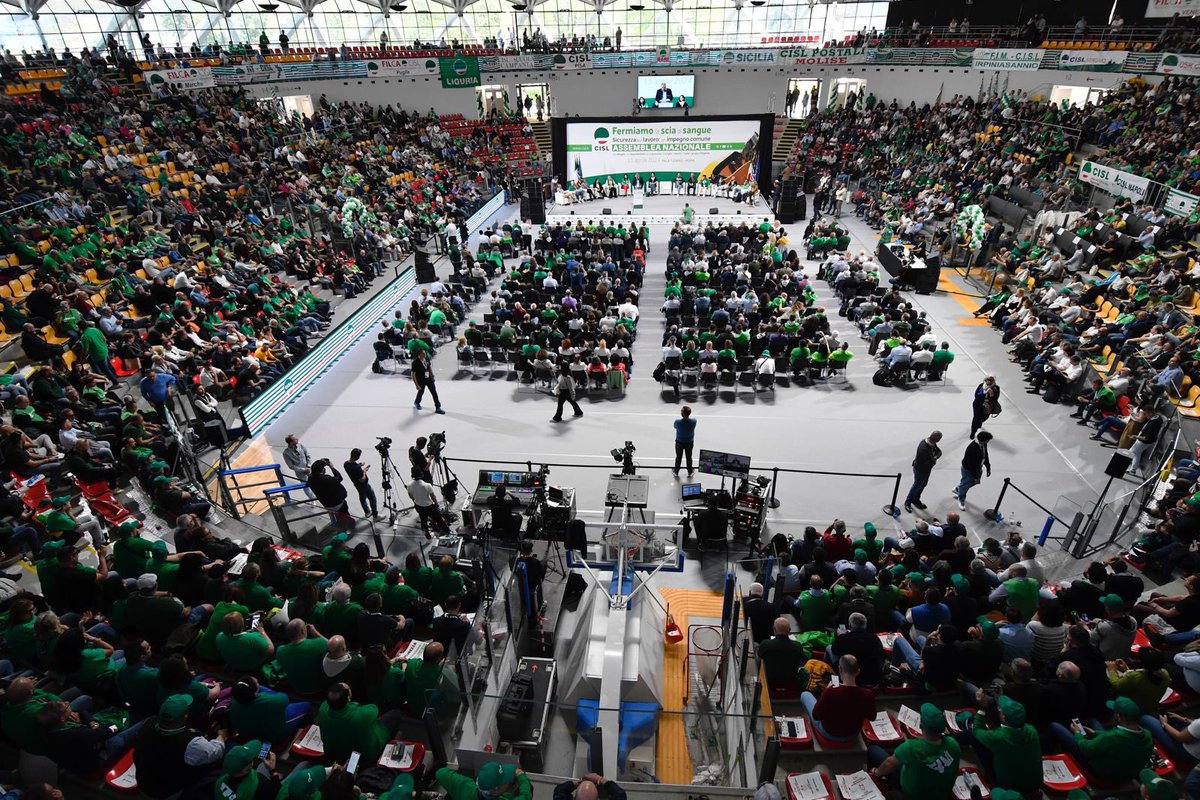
x=534 y=569
x=356 y=471
x=505 y=523
x=326 y=483
x=424 y=498
x=419 y=460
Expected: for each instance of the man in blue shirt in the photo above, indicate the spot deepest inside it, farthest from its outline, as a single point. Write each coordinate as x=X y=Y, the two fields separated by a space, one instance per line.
x=154 y=388
x=685 y=437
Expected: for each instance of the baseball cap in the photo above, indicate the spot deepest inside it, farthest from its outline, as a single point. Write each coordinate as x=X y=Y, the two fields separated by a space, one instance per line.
x=128 y=526
x=989 y=629
x=1006 y=794
x=303 y=781
x=859 y=553
x=339 y=537
x=1114 y=600
x=932 y=719
x=960 y=583
x=493 y=775
x=147 y=580
x=60 y=501
x=242 y=756
x=175 y=707
x=1124 y=706
x=869 y=527
x=1157 y=787
x=1014 y=712
x=159 y=549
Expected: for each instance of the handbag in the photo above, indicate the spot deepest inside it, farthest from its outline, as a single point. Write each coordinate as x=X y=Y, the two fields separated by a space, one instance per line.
x=993 y=408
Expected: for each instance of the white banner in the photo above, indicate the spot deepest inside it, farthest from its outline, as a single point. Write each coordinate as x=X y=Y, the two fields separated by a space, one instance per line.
x=1113 y=180
x=182 y=78
x=722 y=150
x=731 y=58
x=1010 y=58
x=573 y=61
x=824 y=55
x=1181 y=204
x=401 y=67
x=1092 y=60
x=1169 y=8
x=1179 y=64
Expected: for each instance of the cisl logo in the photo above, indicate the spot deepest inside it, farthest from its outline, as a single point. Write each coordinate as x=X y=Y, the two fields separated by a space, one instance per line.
x=460 y=67
x=601 y=136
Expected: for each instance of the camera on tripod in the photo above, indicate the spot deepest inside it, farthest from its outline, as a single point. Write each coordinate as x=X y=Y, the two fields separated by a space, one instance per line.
x=382 y=445
x=436 y=443
x=624 y=457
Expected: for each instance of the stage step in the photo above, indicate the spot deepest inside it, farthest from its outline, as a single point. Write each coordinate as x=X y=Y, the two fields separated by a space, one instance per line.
x=541 y=135
x=785 y=141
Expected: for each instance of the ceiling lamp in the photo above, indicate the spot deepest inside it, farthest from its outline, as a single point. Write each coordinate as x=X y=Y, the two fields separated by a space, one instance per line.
x=637 y=7
x=398 y=7
x=127 y=3
x=268 y=7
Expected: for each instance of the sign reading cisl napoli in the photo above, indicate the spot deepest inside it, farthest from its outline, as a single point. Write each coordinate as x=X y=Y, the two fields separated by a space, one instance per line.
x=1169 y=8
x=1010 y=58
x=1113 y=180
x=1092 y=60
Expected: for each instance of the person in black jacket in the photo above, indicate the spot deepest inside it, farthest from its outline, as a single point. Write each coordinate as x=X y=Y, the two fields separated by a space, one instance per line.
x=1090 y=666
x=78 y=743
x=985 y=402
x=36 y=347
x=864 y=645
x=326 y=484
x=975 y=461
x=759 y=614
x=452 y=626
x=927 y=456
x=590 y=787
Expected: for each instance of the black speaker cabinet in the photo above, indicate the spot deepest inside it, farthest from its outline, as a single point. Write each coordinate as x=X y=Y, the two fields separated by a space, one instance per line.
x=1118 y=464
x=424 y=266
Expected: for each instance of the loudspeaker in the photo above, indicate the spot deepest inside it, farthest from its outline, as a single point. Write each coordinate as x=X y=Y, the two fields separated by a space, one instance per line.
x=606 y=212
x=1118 y=464
x=714 y=211
x=790 y=191
x=533 y=204
x=424 y=266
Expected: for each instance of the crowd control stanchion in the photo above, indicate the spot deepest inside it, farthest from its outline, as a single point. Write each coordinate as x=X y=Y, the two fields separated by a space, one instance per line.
x=891 y=508
x=773 y=501
x=994 y=513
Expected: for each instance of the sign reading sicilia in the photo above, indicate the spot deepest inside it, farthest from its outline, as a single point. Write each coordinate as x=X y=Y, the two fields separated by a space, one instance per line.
x=459 y=71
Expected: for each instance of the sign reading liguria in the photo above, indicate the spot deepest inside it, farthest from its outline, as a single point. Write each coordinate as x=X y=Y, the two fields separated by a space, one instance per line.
x=1113 y=180
x=459 y=71
x=1009 y=58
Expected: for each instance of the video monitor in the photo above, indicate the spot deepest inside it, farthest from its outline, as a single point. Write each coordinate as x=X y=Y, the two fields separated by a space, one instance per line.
x=728 y=465
x=666 y=91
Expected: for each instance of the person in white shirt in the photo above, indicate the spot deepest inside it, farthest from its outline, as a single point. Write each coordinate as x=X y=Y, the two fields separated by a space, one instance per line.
x=671 y=350
x=1033 y=568
x=628 y=310
x=765 y=364
x=425 y=502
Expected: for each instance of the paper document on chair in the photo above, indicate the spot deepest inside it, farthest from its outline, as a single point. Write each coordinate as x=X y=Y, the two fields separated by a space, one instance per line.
x=883 y=728
x=964 y=782
x=311 y=740
x=952 y=721
x=808 y=786
x=1057 y=771
x=858 y=786
x=909 y=718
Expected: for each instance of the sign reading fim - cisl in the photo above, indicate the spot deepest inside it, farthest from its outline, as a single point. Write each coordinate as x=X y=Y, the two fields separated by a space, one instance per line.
x=459 y=72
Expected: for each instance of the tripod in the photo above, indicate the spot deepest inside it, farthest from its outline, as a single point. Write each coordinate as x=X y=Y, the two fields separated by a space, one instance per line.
x=443 y=476
x=386 y=469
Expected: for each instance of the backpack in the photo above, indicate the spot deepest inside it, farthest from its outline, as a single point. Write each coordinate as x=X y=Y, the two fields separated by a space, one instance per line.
x=883 y=377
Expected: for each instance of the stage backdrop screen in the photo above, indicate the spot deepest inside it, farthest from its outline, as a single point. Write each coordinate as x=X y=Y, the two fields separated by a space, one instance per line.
x=666 y=91
x=719 y=149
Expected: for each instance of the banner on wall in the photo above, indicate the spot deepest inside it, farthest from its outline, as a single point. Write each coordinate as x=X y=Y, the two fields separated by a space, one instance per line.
x=919 y=56
x=1113 y=180
x=824 y=55
x=733 y=58
x=459 y=72
x=1179 y=64
x=183 y=78
x=1092 y=60
x=1181 y=204
x=573 y=61
x=1169 y=8
x=510 y=63
x=402 y=67
x=722 y=150
x=1008 y=58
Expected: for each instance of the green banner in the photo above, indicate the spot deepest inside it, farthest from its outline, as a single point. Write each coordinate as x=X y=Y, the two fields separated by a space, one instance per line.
x=459 y=71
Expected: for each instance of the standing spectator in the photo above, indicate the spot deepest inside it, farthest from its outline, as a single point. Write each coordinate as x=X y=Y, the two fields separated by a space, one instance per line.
x=156 y=388
x=927 y=457
x=425 y=503
x=975 y=461
x=685 y=438
x=297 y=459
x=327 y=485
x=422 y=378
x=985 y=403
x=356 y=471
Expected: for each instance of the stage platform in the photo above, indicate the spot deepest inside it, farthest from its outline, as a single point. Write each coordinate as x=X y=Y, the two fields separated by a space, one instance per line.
x=661 y=209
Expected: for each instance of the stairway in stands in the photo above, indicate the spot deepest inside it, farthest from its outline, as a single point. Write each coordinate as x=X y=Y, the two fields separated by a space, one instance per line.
x=541 y=135
x=787 y=131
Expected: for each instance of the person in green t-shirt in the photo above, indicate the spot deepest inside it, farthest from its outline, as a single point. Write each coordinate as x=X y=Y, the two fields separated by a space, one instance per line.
x=206 y=645
x=417 y=575
x=260 y=713
x=1020 y=591
x=928 y=766
x=300 y=659
x=241 y=780
x=347 y=726
x=1114 y=755
x=495 y=781
x=1012 y=752
x=422 y=677
x=136 y=682
x=383 y=678
x=816 y=605
x=243 y=650
x=869 y=542
x=446 y=581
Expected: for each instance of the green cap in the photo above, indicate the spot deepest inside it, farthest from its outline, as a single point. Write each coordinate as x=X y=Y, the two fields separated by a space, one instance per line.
x=1013 y=711
x=916 y=577
x=932 y=719
x=158 y=549
x=1078 y=794
x=1194 y=501
x=51 y=547
x=240 y=757
x=1157 y=787
x=60 y=502
x=157 y=479
x=869 y=528
x=1124 y=706
x=339 y=538
x=127 y=527
x=1113 y=600
x=303 y=781
x=493 y=775
x=988 y=628
x=175 y=707
x=860 y=554
x=960 y=583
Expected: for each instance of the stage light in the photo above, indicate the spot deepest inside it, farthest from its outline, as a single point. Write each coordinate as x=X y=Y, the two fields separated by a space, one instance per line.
x=637 y=7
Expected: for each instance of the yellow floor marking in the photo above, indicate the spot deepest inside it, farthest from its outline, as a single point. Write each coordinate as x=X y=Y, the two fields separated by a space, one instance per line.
x=967 y=302
x=673 y=763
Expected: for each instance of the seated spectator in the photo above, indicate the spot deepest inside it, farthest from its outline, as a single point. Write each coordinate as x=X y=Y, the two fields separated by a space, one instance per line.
x=841 y=710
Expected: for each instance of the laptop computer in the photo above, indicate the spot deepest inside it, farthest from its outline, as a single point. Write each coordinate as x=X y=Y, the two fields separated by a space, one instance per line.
x=691 y=492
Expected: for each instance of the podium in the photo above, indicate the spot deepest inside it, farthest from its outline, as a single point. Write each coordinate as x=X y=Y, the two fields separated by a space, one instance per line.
x=639 y=198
